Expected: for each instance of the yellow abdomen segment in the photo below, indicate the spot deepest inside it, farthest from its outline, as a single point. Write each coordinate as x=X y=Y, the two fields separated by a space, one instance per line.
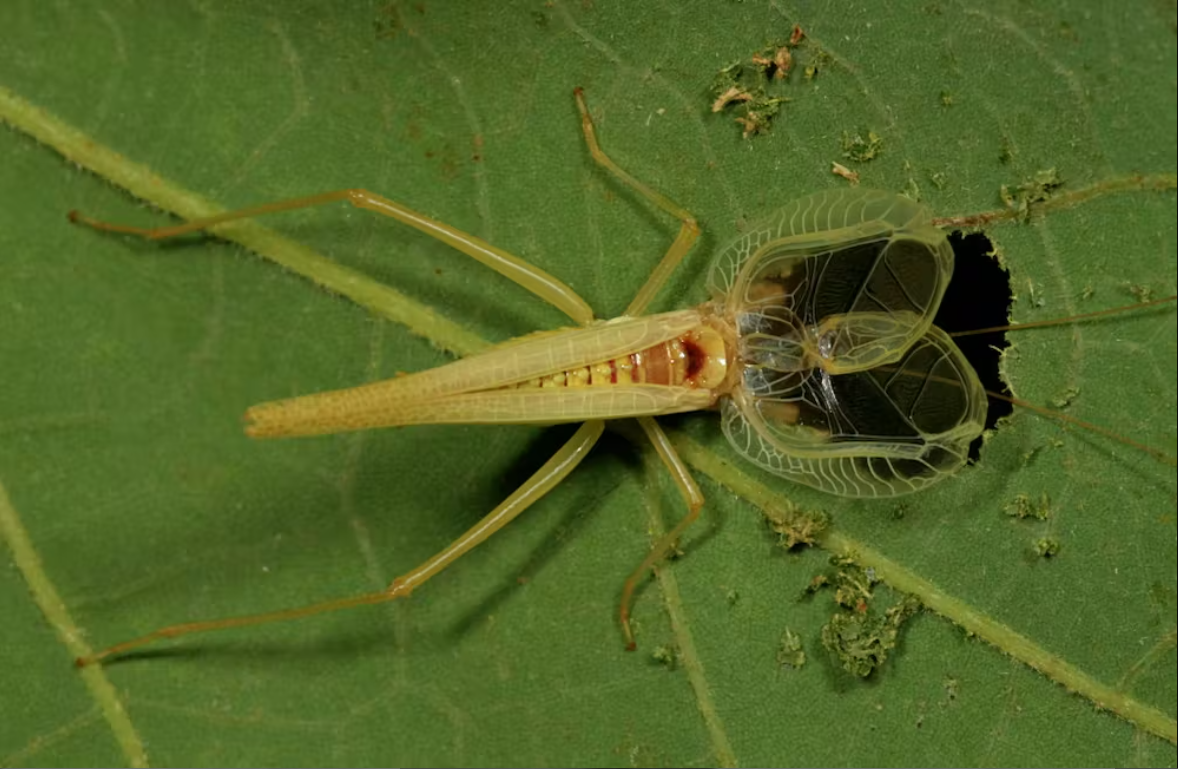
x=697 y=358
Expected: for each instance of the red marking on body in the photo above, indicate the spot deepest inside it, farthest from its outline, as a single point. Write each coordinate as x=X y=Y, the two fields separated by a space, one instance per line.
x=696 y=358
x=613 y=371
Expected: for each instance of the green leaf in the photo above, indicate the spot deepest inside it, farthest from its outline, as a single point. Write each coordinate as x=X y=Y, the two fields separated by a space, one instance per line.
x=131 y=500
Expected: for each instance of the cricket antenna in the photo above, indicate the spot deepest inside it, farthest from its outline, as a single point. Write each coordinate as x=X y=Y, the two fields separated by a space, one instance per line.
x=1068 y=320
x=1055 y=414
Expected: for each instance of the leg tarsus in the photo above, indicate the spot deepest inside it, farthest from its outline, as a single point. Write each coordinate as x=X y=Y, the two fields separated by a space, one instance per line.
x=664 y=546
x=694 y=498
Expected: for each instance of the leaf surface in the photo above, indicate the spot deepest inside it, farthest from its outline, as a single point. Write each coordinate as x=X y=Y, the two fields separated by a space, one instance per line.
x=126 y=366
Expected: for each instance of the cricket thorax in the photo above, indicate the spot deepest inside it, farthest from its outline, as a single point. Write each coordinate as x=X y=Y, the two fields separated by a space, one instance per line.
x=697 y=359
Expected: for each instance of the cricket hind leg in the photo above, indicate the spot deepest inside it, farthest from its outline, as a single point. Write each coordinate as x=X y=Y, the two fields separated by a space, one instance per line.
x=534 y=279
x=555 y=470
x=688 y=230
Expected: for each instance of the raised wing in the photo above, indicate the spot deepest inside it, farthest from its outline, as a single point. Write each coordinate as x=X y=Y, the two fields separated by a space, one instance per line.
x=889 y=430
x=842 y=280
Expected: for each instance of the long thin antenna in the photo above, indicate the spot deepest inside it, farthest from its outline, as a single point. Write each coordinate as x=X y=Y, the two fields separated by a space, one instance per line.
x=1154 y=452
x=1157 y=453
x=1065 y=321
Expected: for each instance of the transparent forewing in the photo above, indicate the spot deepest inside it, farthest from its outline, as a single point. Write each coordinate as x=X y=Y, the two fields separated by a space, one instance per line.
x=885 y=431
x=844 y=280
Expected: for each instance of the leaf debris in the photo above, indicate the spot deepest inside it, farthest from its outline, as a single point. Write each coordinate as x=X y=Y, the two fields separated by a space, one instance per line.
x=1038 y=189
x=860 y=148
x=756 y=121
x=752 y=90
x=838 y=169
x=790 y=652
x=862 y=641
x=666 y=655
x=858 y=635
x=1066 y=398
x=774 y=64
x=732 y=96
x=1047 y=547
x=1142 y=293
x=1022 y=508
x=821 y=61
x=795 y=527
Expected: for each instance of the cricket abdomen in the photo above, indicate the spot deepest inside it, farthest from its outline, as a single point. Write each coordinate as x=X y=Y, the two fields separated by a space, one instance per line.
x=681 y=364
x=697 y=358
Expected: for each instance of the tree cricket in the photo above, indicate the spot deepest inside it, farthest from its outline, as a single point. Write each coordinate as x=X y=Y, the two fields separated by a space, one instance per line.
x=817 y=347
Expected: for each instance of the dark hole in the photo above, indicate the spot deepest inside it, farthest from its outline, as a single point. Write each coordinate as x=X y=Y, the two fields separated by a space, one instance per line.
x=978 y=297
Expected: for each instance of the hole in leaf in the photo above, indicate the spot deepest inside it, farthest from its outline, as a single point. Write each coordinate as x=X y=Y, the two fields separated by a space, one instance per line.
x=979 y=296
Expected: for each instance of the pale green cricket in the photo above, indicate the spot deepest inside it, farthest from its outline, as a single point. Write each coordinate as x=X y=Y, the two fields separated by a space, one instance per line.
x=817 y=347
